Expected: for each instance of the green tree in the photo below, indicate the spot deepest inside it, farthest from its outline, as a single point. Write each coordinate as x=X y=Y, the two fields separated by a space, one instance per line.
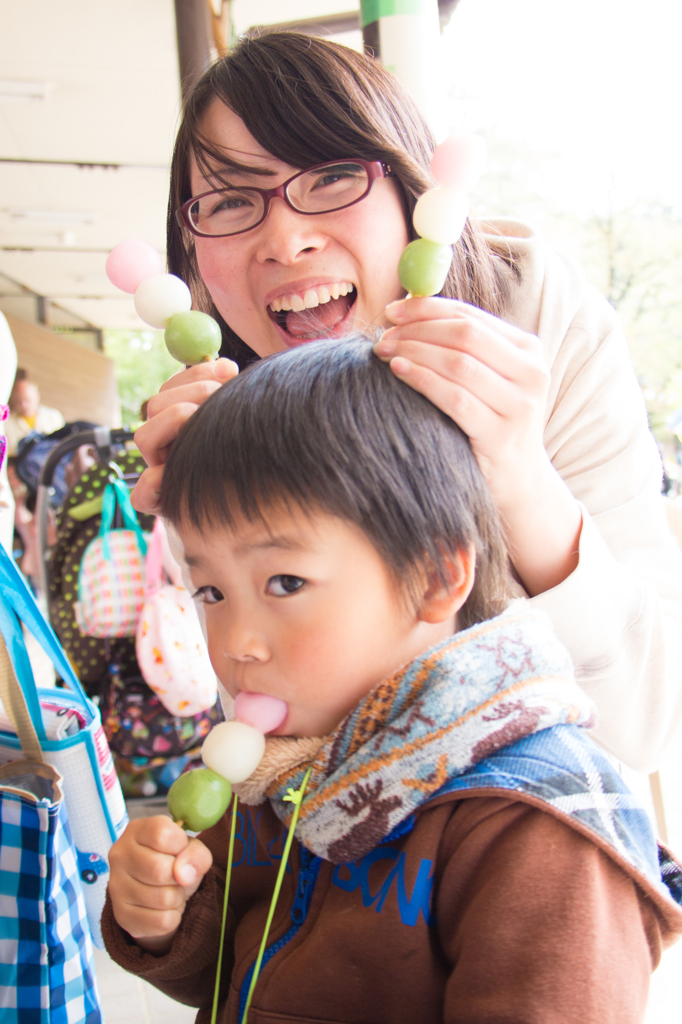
x=142 y=363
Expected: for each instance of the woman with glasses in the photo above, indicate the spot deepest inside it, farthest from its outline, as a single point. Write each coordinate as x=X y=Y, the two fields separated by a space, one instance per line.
x=295 y=172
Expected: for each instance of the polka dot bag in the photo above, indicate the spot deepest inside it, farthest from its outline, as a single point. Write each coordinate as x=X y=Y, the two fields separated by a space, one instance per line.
x=111 y=584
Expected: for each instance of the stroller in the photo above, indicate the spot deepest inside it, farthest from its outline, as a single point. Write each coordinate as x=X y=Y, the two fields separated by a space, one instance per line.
x=151 y=747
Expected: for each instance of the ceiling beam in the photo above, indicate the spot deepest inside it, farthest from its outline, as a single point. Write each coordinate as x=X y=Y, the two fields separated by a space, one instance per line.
x=83 y=164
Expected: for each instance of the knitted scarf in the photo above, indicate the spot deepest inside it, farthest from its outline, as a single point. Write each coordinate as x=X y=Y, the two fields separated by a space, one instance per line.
x=455 y=705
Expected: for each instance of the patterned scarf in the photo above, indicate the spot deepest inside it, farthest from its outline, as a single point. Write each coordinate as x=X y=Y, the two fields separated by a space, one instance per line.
x=457 y=704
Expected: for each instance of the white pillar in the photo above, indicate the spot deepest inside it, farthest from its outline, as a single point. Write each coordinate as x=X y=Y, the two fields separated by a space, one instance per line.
x=407 y=36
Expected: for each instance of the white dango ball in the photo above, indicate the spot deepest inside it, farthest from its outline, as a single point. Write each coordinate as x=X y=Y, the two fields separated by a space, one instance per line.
x=233 y=750
x=459 y=162
x=161 y=297
x=440 y=215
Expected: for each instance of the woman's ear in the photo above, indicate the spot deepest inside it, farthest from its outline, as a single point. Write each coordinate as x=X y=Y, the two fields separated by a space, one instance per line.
x=441 y=600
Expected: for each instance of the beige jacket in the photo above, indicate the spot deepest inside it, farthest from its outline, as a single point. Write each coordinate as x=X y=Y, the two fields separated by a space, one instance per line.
x=620 y=612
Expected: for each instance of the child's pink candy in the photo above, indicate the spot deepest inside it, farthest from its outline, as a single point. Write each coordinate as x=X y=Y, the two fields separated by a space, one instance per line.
x=459 y=161
x=132 y=262
x=260 y=710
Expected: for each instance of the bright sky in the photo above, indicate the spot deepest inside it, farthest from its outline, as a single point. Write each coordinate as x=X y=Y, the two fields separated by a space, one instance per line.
x=598 y=82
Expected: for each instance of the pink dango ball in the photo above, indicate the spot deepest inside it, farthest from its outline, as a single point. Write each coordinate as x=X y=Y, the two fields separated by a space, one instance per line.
x=161 y=297
x=262 y=711
x=458 y=162
x=131 y=262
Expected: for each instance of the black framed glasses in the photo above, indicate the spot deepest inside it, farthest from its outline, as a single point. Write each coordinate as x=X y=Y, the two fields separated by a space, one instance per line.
x=323 y=188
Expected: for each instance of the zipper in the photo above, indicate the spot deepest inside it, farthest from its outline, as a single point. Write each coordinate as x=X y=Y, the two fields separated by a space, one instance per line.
x=309 y=868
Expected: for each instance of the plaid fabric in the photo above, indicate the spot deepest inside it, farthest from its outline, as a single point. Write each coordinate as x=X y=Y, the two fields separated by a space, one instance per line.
x=111 y=585
x=46 y=963
x=564 y=768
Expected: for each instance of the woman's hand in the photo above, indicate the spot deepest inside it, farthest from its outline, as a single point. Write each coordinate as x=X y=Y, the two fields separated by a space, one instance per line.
x=492 y=380
x=168 y=411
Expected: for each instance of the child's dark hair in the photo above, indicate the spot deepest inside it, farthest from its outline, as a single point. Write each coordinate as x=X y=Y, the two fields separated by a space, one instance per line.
x=328 y=426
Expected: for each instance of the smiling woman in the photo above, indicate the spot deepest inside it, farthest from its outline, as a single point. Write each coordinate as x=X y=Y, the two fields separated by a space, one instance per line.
x=280 y=235
x=283 y=104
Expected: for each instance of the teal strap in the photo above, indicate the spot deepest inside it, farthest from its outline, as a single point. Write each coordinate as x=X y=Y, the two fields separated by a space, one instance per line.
x=372 y=10
x=17 y=605
x=116 y=492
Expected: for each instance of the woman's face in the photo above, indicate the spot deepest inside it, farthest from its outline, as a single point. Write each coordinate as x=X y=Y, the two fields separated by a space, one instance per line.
x=352 y=253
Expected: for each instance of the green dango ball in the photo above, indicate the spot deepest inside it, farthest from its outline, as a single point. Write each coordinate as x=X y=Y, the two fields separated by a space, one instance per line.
x=193 y=337
x=198 y=799
x=424 y=266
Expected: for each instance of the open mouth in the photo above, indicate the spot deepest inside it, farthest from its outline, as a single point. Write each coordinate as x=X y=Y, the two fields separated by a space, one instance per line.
x=321 y=312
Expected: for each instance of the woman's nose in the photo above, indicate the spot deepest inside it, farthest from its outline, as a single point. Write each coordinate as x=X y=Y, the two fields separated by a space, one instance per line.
x=286 y=235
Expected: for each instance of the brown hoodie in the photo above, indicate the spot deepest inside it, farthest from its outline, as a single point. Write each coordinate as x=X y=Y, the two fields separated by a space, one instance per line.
x=533 y=923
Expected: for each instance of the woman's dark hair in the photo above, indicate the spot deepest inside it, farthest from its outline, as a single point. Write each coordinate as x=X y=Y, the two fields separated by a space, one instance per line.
x=327 y=426
x=307 y=100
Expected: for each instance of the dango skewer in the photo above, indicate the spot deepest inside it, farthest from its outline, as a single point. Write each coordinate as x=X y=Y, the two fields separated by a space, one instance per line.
x=163 y=301
x=440 y=214
x=231 y=752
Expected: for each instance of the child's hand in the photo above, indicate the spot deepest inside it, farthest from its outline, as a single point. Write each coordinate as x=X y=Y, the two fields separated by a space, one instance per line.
x=155 y=868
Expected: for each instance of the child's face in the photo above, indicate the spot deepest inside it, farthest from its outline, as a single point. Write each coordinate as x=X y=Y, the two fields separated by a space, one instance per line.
x=306 y=611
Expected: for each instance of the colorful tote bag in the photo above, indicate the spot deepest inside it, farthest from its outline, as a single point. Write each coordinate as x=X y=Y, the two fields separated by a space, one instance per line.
x=171 y=650
x=70 y=738
x=111 y=577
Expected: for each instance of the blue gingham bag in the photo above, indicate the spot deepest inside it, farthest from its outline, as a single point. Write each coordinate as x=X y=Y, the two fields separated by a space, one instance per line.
x=69 y=736
x=47 y=972
x=53 y=789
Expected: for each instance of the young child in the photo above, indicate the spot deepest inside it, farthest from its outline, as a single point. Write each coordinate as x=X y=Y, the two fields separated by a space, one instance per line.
x=464 y=851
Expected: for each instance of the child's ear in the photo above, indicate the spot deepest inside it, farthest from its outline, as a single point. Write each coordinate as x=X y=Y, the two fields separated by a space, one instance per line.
x=443 y=600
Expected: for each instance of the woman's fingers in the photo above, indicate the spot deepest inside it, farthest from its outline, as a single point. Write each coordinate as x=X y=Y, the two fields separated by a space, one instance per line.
x=478 y=374
x=146 y=493
x=501 y=345
x=195 y=393
x=218 y=370
x=178 y=398
x=474 y=415
x=194 y=384
x=406 y=312
x=155 y=437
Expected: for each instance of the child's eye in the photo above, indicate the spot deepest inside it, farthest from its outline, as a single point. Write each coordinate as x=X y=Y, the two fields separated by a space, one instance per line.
x=208 y=595
x=282 y=585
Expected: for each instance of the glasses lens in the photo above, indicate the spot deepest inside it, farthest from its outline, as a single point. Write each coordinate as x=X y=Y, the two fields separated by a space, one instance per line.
x=226 y=212
x=328 y=188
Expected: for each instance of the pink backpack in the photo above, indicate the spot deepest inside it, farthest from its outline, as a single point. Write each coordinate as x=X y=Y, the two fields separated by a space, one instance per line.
x=170 y=647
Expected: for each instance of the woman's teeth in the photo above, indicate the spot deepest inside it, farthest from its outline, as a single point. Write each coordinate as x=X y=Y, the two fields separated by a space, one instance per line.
x=310 y=298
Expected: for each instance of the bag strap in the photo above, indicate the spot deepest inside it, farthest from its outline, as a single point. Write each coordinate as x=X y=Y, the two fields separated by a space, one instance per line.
x=18 y=605
x=154 y=561
x=14 y=703
x=117 y=491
